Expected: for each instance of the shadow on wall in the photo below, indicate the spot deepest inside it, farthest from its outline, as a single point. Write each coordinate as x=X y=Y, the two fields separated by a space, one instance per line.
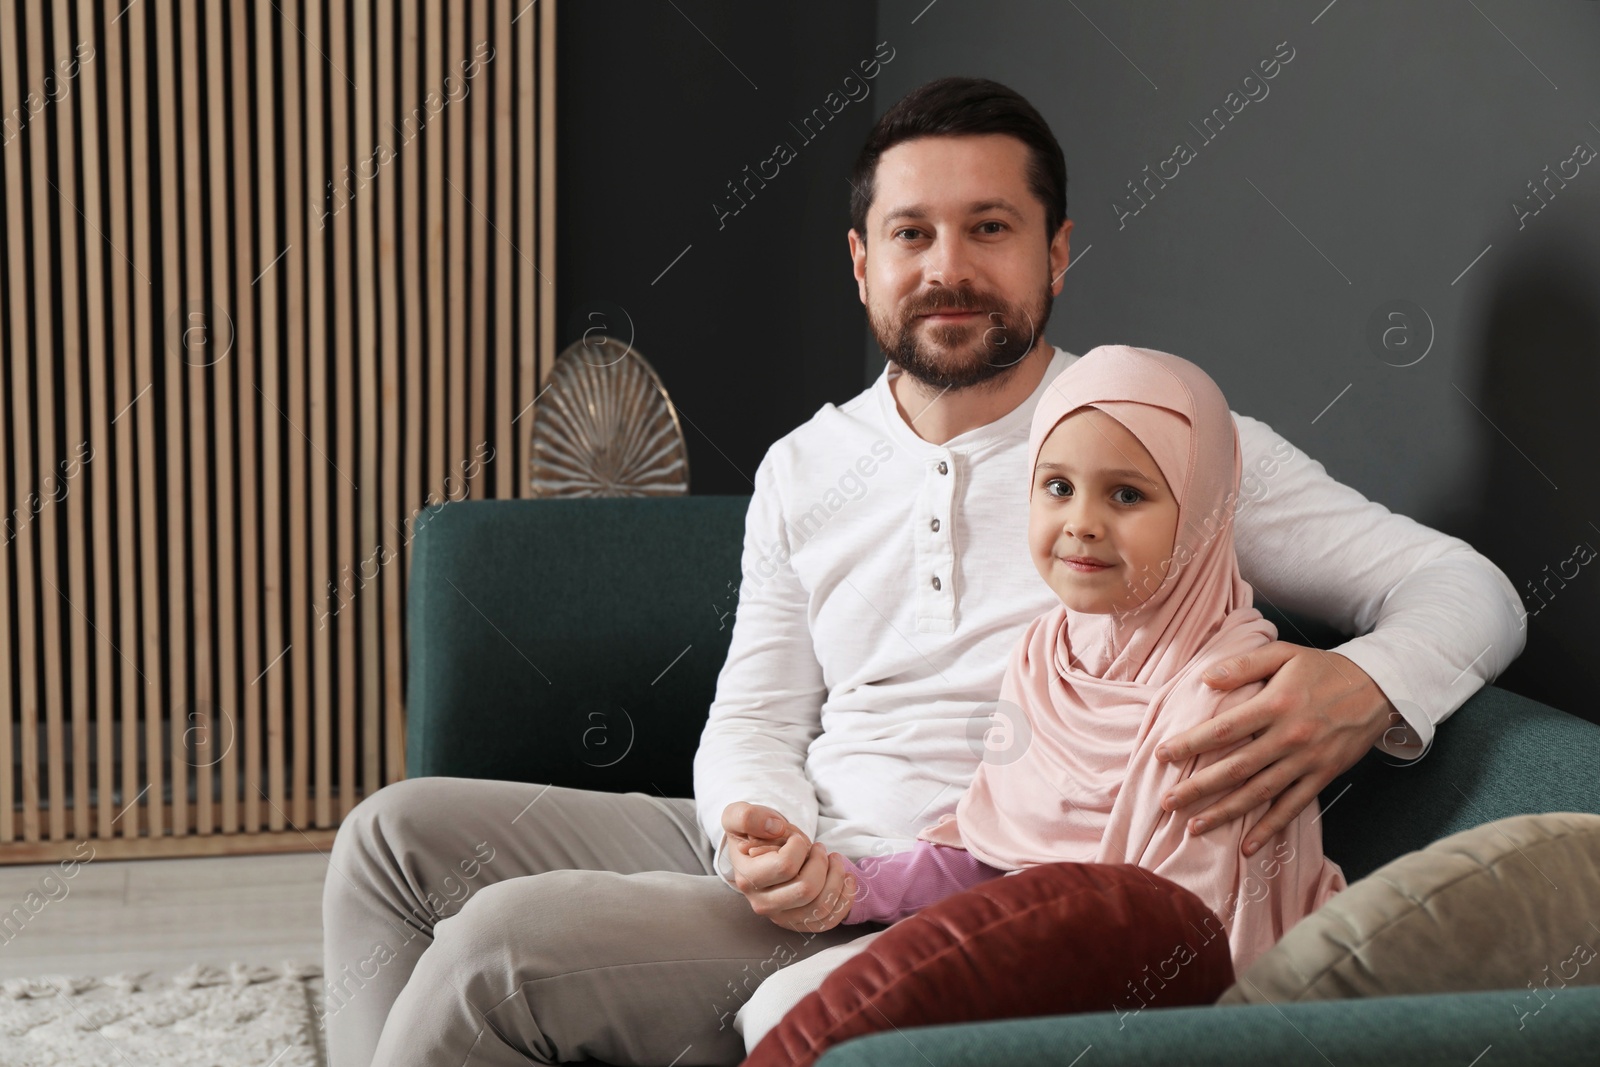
x=1536 y=510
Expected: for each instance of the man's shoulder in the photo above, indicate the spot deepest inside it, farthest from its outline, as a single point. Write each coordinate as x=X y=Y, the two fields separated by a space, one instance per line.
x=842 y=430
x=1256 y=437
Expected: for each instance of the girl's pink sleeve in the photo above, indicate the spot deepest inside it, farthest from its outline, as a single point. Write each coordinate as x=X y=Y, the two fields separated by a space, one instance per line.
x=889 y=888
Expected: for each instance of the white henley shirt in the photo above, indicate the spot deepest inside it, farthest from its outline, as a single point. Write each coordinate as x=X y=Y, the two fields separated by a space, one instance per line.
x=885 y=580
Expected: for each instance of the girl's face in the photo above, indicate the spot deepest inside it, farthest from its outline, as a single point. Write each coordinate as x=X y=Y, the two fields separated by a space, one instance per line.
x=1098 y=493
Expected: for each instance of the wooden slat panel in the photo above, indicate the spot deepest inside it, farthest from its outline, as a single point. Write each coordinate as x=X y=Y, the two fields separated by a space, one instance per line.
x=56 y=666
x=434 y=143
x=343 y=344
x=390 y=355
x=130 y=693
x=224 y=302
x=143 y=410
x=298 y=416
x=7 y=774
x=413 y=110
x=297 y=661
x=437 y=147
x=367 y=364
x=18 y=434
x=74 y=590
x=324 y=600
x=547 y=189
x=249 y=334
x=169 y=334
x=194 y=351
x=456 y=226
x=247 y=726
x=527 y=228
x=271 y=358
x=505 y=146
x=98 y=477
x=478 y=105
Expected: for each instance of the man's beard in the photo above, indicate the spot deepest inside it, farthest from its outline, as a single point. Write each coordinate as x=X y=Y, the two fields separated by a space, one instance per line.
x=960 y=355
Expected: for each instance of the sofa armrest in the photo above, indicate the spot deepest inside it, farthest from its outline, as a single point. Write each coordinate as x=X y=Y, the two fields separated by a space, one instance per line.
x=1500 y=754
x=1443 y=1030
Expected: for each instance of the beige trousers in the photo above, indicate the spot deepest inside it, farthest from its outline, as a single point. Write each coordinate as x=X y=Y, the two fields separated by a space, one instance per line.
x=474 y=922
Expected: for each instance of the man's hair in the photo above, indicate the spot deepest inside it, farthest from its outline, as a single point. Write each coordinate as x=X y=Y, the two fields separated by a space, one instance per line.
x=965 y=106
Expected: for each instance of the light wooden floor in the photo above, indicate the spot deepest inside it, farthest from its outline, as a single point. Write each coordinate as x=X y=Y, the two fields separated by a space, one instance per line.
x=163 y=915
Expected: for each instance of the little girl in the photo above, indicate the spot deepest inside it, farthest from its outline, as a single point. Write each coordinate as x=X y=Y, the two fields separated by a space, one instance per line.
x=1133 y=480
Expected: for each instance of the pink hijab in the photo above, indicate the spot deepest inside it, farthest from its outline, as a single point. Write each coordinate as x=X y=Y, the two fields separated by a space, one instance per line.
x=1087 y=698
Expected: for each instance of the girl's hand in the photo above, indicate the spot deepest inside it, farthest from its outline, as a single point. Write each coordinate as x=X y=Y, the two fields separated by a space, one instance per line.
x=826 y=908
x=796 y=883
x=817 y=898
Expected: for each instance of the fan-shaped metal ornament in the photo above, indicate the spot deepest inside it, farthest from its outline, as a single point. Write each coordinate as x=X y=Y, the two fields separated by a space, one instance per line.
x=606 y=427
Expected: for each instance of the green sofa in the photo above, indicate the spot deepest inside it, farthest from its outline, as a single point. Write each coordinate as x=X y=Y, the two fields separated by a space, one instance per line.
x=578 y=642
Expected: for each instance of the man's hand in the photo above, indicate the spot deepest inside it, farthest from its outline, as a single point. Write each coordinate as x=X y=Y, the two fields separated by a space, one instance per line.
x=1317 y=715
x=797 y=884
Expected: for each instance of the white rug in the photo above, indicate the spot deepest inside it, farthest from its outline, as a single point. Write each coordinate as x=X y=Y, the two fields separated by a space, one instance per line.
x=202 y=1017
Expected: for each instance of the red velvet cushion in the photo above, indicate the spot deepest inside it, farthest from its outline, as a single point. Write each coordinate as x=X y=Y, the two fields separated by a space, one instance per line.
x=1052 y=940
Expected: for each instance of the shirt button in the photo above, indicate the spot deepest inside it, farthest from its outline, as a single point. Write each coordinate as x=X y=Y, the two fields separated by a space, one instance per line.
x=934 y=525
x=936 y=581
x=943 y=467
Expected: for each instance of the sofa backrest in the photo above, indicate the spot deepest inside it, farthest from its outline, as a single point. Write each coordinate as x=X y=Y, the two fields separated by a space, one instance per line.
x=574 y=642
x=578 y=642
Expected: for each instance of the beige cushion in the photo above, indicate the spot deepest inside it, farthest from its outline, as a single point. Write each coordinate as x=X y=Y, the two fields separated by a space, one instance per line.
x=1495 y=907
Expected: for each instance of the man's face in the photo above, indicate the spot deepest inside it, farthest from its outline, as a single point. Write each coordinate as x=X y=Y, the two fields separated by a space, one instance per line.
x=957 y=276
x=1084 y=502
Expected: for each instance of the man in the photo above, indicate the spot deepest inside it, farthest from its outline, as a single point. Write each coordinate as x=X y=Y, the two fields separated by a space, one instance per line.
x=886 y=577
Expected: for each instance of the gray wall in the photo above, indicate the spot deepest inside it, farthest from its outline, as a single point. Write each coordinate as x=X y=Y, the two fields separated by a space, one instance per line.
x=659 y=106
x=1394 y=146
x=1382 y=159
